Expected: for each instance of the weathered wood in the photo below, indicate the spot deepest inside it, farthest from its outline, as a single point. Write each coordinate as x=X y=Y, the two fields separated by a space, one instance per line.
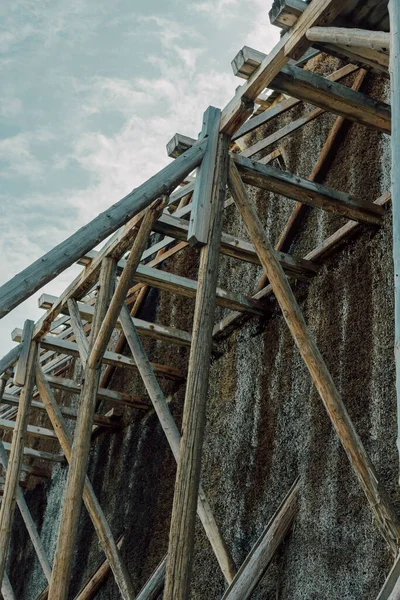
x=155 y=585
x=178 y=144
x=307 y=192
x=93 y=507
x=199 y=222
x=38 y=454
x=6 y=589
x=46 y=268
x=34 y=430
x=98 y=579
x=181 y=540
x=394 y=11
x=10 y=358
x=21 y=368
x=246 y=61
x=15 y=460
x=29 y=523
x=380 y=504
x=287 y=104
x=173 y=437
x=261 y=554
x=343 y=36
x=68 y=529
x=391 y=588
x=77 y=327
x=333 y=97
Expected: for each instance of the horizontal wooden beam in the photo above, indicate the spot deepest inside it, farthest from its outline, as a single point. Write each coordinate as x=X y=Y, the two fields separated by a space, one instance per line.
x=145 y=328
x=46 y=268
x=285 y=13
x=307 y=192
x=34 y=430
x=38 y=454
x=178 y=144
x=344 y=36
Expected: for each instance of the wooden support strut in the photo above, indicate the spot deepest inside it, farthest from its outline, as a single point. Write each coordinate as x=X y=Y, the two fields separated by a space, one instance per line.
x=181 y=541
x=93 y=507
x=385 y=516
x=15 y=459
x=355 y=38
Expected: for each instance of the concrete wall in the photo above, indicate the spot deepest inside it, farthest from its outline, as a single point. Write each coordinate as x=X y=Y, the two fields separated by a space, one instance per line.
x=265 y=422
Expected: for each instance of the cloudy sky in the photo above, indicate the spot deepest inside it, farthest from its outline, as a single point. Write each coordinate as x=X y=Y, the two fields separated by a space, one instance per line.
x=91 y=91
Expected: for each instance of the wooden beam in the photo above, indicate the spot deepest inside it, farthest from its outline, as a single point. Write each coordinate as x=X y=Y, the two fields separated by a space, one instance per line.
x=181 y=539
x=15 y=460
x=246 y=61
x=333 y=97
x=380 y=504
x=29 y=523
x=22 y=364
x=46 y=268
x=10 y=358
x=79 y=333
x=6 y=589
x=174 y=439
x=93 y=507
x=98 y=579
x=355 y=38
x=201 y=202
x=307 y=192
x=155 y=585
x=40 y=432
x=263 y=551
x=178 y=144
x=38 y=454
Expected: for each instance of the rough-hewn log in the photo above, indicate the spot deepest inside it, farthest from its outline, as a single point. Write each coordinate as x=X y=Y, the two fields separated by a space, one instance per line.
x=181 y=540
x=46 y=268
x=22 y=364
x=179 y=144
x=386 y=517
x=154 y=586
x=16 y=454
x=344 y=36
x=261 y=554
x=10 y=358
x=93 y=507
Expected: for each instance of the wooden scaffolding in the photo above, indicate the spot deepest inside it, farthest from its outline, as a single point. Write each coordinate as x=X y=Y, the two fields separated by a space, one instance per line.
x=184 y=204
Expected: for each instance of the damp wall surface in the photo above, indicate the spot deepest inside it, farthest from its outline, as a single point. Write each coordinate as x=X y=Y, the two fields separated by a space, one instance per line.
x=266 y=424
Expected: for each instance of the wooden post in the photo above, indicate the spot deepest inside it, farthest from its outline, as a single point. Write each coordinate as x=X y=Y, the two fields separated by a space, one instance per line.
x=46 y=268
x=172 y=434
x=394 y=11
x=386 y=517
x=16 y=454
x=256 y=563
x=79 y=332
x=181 y=540
x=29 y=523
x=93 y=507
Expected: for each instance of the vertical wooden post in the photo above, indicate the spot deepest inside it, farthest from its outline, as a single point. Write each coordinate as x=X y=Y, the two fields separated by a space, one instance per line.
x=16 y=454
x=380 y=504
x=394 y=11
x=181 y=540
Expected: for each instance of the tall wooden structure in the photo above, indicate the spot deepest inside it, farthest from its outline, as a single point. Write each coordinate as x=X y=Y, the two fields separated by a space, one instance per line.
x=184 y=203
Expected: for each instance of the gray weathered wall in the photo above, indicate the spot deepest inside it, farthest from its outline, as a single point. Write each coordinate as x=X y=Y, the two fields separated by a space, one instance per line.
x=266 y=423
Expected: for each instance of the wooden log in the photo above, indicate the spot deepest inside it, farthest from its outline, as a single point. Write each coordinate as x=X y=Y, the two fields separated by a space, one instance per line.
x=282 y=107
x=34 y=430
x=391 y=588
x=179 y=144
x=201 y=203
x=343 y=36
x=385 y=516
x=46 y=268
x=293 y=223
x=38 y=454
x=333 y=97
x=15 y=460
x=263 y=551
x=112 y=311
x=181 y=540
x=285 y=13
x=172 y=434
x=98 y=579
x=246 y=61
x=21 y=368
x=93 y=507
x=307 y=192
x=10 y=358
x=394 y=12
x=155 y=585
x=77 y=327
x=29 y=523
x=6 y=589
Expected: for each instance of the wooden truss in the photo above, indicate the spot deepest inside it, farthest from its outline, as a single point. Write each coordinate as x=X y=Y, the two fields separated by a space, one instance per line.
x=182 y=206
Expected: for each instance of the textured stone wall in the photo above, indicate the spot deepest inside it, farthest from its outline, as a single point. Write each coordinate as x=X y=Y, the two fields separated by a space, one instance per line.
x=265 y=422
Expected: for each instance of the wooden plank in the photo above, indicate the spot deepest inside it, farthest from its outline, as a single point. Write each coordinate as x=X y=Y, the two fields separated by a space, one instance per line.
x=15 y=460
x=93 y=507
x=40 y=432
x=29 y=523
x=181 y=538
x=98 y=579
x=343 y=36
x=46 y=268
x=263 y=551
x=201 y=202
x=178 y=144
x=385 y=516
x=38 y=454
x=394 y=12
x=282 y=107
x=22 y=364
x=173 y=437
x=333 y=97
x=307 y=192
